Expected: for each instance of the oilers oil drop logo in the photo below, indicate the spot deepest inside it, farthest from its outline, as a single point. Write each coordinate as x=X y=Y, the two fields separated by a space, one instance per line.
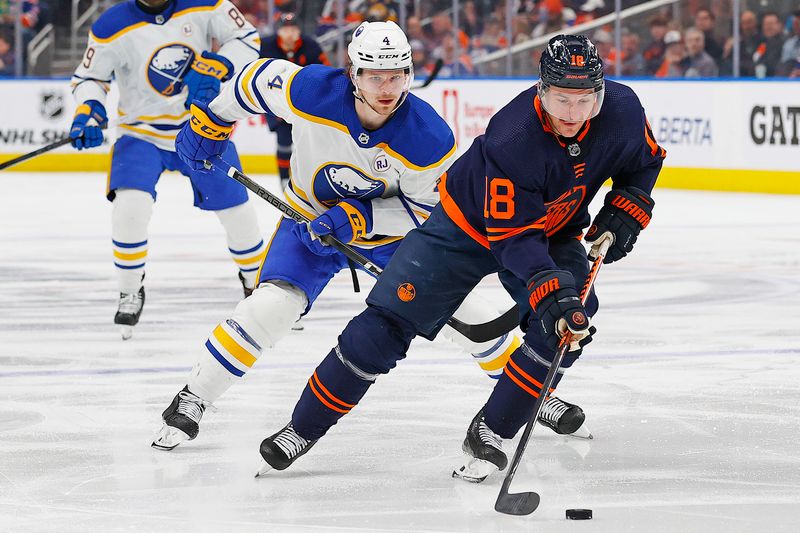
x=406 y=292
x=335 y=181
x=167 y=67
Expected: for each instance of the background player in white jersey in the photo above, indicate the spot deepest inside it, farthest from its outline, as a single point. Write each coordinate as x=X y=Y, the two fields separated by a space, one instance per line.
x=365 y=170
x=154 y=49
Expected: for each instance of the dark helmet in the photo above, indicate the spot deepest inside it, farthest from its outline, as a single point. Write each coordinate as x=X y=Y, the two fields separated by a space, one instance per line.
x=571 y=61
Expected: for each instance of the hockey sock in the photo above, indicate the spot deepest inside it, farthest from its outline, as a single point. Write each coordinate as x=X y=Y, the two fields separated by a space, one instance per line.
x=494 y=359
x=331 y=392
x=511 y=402
x=284 y=154
x=130 y=215
x=244 y=239
x=236 y=343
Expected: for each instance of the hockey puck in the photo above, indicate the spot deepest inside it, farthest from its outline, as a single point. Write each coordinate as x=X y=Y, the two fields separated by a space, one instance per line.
x=579 y=514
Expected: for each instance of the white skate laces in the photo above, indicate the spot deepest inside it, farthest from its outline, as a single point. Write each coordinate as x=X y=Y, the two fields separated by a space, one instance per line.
x=290 y=442
x=130 y=302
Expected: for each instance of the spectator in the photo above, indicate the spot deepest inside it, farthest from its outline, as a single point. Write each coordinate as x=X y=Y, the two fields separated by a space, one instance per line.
x=6 y=55
x=704 y=21
x=654 y=53
x=790 y=54
x=378 y=11
x=454 y=67
x=674 y=54
x=603 y=41
x=414 y=30
x=471 y=22
x=698 y=63
x=420 y=58
x=588 y=11
x=493 y=37
x=750 y=39
x=633 y=63
x=767 y=56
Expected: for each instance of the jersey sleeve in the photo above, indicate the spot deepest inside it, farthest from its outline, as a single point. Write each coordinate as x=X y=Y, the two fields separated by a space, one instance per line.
x=92 y=78
x=260 y=87
x=515 y=216
x=646 y=157
x=418 y=194
x=239 y=40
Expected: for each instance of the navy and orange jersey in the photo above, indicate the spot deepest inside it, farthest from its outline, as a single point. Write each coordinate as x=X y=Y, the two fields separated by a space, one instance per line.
x=306 y=51
x=520 y=184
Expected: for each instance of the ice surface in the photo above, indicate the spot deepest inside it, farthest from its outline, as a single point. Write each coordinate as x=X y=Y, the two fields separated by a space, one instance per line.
x=691 y=388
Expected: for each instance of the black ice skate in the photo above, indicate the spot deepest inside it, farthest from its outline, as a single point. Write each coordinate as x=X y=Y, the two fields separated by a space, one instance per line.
x=181 y=420
x=129 y=311
x=282 y=449
x=564 y=418
x=484 y=452
x=247 y=291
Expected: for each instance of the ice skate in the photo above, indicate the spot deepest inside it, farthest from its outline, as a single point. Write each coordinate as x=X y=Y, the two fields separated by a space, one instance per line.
x=247 y=291
x=298 y=326
x=129 y=311
x=282 y=449
x=484 y=452
x=181 y=420
x=564 y=418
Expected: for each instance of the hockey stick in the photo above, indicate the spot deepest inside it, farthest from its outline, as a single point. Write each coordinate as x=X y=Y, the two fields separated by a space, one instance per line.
x=432 y=76
x=475 y=332
x=524 y=503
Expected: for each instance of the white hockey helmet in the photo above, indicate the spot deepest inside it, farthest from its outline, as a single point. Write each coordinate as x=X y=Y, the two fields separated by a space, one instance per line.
x=379 y=46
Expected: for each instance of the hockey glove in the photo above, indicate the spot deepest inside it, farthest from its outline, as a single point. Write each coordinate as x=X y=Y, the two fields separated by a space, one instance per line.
x=202 y=137
x=84 y=135
x=311 y=240
x=349 y=220
x=624 y=214
x=204 y=78
x=555 y=302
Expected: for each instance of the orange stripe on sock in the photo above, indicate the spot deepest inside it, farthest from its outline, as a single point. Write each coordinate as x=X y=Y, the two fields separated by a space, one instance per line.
x=331 y=396
x=526 y=375
x=325 y=402
x=521 y=384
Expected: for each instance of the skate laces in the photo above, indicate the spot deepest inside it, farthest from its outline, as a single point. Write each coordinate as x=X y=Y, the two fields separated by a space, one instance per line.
x=191 y=406
x=290 y=442
x=130 y=302
x=553 y=409
x=489 y=437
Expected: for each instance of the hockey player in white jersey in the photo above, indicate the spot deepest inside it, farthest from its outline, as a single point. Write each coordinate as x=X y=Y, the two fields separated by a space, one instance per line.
x=368 y=158
x=158 y=54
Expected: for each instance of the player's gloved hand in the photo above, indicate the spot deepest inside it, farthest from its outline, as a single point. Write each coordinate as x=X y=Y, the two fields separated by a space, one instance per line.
x=624 y=214
x=82 y=134
x=311 y=240
x=202 y=137
x=205 y=76
x=348 y=220
x=555 y=302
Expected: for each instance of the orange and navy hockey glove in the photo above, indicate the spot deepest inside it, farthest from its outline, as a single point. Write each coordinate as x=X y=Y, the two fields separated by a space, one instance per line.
x=349 y=220
x=556 y=304
x=202 y=137
x=625 y=212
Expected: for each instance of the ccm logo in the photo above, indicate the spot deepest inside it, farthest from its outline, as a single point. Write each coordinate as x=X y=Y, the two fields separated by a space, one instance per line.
x=388 y=56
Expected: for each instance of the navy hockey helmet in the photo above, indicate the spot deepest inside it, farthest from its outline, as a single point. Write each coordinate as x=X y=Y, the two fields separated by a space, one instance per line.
x=571 y=62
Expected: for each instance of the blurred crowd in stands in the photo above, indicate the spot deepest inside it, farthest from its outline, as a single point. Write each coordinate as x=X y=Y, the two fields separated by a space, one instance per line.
x=693 y=38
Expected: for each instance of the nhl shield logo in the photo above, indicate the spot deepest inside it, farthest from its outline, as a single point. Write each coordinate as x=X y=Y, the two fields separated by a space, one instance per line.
x=381 y=163
x=167 y=66
x=363 y=138
x=52 y=105
x=574 y=149
x=187 y=29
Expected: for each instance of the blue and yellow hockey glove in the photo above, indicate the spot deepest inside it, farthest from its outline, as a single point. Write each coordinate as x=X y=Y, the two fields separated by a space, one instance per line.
x=84 y=135
x=204 y=78
x=349 y=220
x=202 y=137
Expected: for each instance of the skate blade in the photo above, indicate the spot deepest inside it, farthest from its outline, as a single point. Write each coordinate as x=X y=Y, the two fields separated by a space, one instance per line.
x=168 y=438
x=474 y=470
x=263 y=469
x=298 y=326
x=582 y=433
x=126 y=332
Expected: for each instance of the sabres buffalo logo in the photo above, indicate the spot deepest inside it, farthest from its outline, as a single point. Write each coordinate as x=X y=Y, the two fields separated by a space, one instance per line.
x=335 y=181
x=167 y=67
x=563 y=208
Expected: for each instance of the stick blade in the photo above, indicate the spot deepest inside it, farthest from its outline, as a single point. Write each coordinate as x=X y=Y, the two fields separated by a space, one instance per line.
x=520 y=504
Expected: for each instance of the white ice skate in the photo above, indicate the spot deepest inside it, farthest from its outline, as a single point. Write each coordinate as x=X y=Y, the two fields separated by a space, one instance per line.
x=181 y=420
x=128 y=312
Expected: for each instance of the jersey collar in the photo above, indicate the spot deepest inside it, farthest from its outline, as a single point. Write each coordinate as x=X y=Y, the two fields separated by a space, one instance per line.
x=369 y=138
x=563 y=141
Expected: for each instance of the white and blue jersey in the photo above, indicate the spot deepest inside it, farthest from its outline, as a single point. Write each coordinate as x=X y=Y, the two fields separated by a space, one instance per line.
x=147 y=56
x=395 y=167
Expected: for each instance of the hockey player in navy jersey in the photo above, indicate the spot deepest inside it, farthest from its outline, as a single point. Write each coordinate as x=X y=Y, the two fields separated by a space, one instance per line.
x=158 y=54
x=514 y=203
x=369 y=156
x=290 y=44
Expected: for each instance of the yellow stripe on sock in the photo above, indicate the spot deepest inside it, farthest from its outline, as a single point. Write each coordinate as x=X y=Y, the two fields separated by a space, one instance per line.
x=233 y=347
x=250 y=260
x=130 y=257
x=500 y=361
